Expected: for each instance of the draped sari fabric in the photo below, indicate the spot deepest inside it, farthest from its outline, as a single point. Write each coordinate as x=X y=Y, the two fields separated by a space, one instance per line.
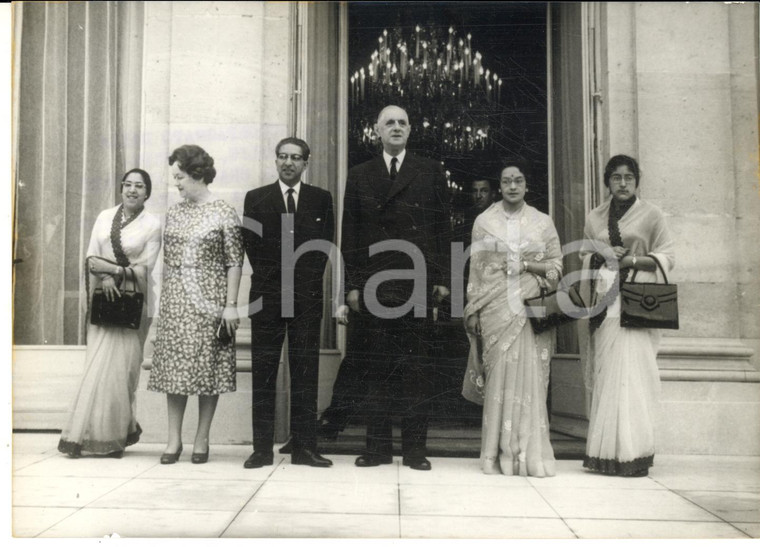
x=508 y=366
x=620 y=364
x=102 y=418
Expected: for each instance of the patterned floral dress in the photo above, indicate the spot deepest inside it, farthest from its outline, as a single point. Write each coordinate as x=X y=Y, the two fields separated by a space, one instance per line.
x=201 y=241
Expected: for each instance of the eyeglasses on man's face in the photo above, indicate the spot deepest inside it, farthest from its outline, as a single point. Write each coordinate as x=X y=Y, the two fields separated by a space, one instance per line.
x=293 y=157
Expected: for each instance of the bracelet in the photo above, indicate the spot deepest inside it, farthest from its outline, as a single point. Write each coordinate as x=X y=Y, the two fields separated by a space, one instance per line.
x=525 y=265
x=231 y=303
x=633 y=260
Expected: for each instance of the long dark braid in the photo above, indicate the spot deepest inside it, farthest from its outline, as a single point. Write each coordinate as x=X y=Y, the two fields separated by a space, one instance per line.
x=616 y=240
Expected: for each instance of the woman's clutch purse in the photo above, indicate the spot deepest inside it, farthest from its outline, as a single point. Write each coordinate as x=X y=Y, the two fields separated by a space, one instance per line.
x=124 y=311
x=551 y=309
x=222 y=335
x=649 y=305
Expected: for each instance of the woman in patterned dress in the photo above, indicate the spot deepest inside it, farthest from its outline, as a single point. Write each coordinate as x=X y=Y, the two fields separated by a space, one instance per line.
x=102 y=419
x=620 y=364
x=203 y=258
x=515 y=252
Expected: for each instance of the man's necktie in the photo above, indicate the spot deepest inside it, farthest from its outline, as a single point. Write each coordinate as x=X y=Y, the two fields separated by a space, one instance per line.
x=394 y=171
x=291 y=202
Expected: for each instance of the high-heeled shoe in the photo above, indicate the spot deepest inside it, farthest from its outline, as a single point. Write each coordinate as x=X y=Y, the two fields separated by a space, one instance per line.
x=171 y=458
x=199 y=457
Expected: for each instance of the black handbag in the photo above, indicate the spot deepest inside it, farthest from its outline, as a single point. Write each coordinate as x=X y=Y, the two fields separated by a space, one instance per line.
x=551 y=309
x=649 y=305
x=124 y=311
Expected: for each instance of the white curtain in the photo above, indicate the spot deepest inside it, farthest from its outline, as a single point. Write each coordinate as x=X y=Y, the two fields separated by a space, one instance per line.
x=77 y=110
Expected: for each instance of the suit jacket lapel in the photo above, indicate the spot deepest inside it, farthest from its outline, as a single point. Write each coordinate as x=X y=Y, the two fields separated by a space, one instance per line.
x=275 y=198
x=405 y=175
x=303 y=204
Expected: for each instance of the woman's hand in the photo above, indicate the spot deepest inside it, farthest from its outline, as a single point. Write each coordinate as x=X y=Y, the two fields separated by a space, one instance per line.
x=231 y=320
x=110 y=288
x=619 y=252
x=514 y=267
x=473 y=325
x=352 y=299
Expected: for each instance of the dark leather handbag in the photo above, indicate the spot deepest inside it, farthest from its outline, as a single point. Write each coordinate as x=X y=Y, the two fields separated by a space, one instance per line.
x=124 y=311
x=649 y=305
x=551 y=309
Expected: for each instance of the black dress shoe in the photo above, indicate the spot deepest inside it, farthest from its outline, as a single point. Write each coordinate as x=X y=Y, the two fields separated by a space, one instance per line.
x=170 y=458
x=199 y=457
x=309 y=457
x=420 y=463
x=372 y=460
x=259 y=459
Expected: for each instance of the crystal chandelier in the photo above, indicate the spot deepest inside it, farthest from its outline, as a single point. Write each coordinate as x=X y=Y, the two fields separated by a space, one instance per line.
x=452 y=99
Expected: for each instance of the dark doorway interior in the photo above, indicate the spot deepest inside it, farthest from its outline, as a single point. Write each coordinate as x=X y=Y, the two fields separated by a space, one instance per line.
x=507 y=40
x=424 y=57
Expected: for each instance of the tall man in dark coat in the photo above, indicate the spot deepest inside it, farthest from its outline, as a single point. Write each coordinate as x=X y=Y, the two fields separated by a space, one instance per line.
x=395 y=245
x=288 y=229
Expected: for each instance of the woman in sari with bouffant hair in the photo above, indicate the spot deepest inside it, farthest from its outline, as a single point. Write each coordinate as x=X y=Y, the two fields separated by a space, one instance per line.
x=515 y=253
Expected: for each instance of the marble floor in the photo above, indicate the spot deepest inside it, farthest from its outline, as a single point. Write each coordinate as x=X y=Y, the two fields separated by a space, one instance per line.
x=136 y=497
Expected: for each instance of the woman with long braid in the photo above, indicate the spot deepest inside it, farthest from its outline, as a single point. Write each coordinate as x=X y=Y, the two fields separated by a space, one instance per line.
x=125 y=239
x=621 y=236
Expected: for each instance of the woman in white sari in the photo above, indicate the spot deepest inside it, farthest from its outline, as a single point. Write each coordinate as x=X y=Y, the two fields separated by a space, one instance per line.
x=620 y=364
x=102 y=420
x=515 y=252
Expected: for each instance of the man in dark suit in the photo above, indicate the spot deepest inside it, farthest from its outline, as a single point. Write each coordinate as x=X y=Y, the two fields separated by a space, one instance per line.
x=395 y=244
x=288 y=230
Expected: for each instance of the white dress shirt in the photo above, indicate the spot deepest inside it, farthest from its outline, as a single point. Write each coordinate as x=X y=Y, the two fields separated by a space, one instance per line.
x=387 y=157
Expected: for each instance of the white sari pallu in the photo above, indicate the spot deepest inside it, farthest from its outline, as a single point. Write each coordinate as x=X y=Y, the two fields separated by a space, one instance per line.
x=508 y=366
x=620 y=364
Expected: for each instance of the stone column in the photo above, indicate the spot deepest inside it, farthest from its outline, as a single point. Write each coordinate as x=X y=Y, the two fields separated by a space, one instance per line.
x=682 y=97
